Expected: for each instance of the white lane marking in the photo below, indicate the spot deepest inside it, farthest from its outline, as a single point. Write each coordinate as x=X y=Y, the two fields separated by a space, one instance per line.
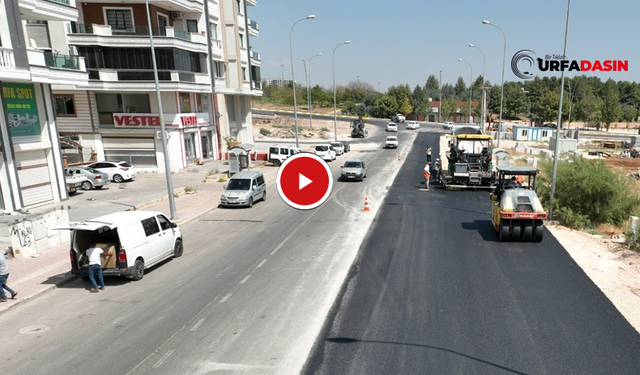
x=226 y=297
x=262 y=263
x=195 y=327
x=245 y=279
x=164 y=358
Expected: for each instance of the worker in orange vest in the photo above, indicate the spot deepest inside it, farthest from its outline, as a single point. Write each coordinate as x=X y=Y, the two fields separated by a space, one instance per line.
x=426 y=172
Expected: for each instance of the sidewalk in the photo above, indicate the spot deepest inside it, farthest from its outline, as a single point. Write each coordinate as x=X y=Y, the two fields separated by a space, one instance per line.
x=31 y=277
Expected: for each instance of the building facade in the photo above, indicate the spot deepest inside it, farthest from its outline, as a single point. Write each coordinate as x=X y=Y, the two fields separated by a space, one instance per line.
x=206 y=70
x=31 y=171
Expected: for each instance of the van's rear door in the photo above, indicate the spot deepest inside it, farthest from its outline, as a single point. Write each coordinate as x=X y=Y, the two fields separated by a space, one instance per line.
x=84 y=225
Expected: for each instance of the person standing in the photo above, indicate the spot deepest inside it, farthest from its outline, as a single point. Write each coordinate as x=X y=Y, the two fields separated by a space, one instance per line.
x=426 y=172
x=4 y=275
x=428 y=151
x=95 y=265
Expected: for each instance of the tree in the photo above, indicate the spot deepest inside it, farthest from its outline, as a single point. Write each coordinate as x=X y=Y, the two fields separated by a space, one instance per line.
x=588 y=108
x=547 y=106
x=432 y=88
x=515 y=100
x=611 y=104
x=461 y=89
x=449 y=107
x=419 y=101
x=385 y=106
x=406 y=107
x=399 y=92
x=629 y=114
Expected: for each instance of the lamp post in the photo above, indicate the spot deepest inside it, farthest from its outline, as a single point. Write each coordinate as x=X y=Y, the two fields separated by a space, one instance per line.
x=293 y=80
x=470 y=86
x=484 y=101
x=504 y=56
x=555 y=152
x=165 y=150
x=309 y=86
x=440 y=95
x=335 y=111
x=282 y=66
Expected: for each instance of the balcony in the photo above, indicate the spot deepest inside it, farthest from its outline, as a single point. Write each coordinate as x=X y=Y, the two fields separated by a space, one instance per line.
x=252 y=3
x=253 y=28
x=50 y=10
x=104 y=35
x=48 y=67
x=8 y=70
x=136 y=80
x=216 y=49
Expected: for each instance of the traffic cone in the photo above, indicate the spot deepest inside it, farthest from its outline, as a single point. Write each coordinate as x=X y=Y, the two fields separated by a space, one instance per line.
x=399 y=158
x=413 y=132
x=366 y=204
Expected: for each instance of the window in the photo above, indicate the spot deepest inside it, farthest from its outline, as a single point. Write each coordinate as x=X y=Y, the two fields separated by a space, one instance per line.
x=185 y=102
x=260 y=180
x=241 y=41
x=164 y=222
x=192 y=26
x=120 y=19
x=150 y=226
x=244 y=74
x=64 y=105
x=525 y=132
x=239 y=6
x=213 y=31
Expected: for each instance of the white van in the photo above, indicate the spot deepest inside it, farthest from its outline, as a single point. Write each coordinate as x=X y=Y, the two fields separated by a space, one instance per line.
x=139 y=240
x=326 y=152
x=278 y=154
x=244 y=188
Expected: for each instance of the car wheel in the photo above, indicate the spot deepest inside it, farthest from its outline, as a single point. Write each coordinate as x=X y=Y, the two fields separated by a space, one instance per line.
x=87 y=185
x=177 y=249
x=277 y=163
x=138 y=270
x=250 y=202
x=117 y=178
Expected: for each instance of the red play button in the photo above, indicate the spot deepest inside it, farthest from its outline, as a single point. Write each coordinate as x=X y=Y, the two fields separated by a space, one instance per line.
x=304 y=181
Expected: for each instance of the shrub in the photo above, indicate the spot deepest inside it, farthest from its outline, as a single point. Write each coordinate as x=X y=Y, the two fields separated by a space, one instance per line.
x=588 y=193
x=325 y=129
x=265 y=132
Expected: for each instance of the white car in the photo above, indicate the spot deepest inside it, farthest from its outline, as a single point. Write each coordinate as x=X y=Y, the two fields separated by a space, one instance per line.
x=413 y=125
x=447 y=125
x=326 y=152
x=118 y=171
x=399 y=117
x=338 y=146
x=391 y=142
x=392 y=127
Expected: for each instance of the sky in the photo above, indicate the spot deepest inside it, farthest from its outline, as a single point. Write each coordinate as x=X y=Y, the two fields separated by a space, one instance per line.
x=404 y=41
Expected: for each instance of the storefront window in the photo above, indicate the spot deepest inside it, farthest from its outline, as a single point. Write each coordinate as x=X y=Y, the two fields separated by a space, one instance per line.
x=185 y=102
x=202 y=103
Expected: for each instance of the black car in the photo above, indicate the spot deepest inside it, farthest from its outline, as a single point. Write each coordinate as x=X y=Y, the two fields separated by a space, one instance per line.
x=346 y=145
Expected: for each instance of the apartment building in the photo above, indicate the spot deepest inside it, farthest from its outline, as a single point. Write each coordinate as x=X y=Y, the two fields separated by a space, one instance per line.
x=207 y=75
x=31 y=164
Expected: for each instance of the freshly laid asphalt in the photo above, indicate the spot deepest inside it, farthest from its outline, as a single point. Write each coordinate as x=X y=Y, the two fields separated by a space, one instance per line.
x=435 y=292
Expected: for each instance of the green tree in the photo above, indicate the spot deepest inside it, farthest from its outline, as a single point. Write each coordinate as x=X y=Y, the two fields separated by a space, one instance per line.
x=432 y=88
x=588 y=108
x=419 y=101
x=399 y=92
x=385 y=106
x=629 y=114
x=461 y=89
x=449 y=107
x=515 y=100
x=611 y=104
x=547 y=106
x=406 y=107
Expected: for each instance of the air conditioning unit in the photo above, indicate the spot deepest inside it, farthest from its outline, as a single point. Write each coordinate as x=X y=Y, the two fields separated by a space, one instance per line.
x=176 y=15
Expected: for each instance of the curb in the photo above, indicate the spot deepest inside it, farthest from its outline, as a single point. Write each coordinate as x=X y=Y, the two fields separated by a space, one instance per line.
x=66 y=280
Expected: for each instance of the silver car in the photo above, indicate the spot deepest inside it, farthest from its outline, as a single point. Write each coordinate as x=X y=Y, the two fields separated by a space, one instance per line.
x=354 y=169
x=243 y=189
x=95 y=178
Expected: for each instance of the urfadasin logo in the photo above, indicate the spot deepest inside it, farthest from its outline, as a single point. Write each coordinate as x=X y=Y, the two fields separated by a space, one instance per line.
x=522 y=63
x=525 y=60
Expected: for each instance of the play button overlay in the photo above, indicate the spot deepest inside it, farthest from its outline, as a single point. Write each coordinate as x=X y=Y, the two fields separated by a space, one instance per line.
x=304 y=181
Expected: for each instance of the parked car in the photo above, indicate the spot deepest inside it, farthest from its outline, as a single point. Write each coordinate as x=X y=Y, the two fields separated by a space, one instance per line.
x=244 y=188
x=346 y=145
x=447 y=125
x=399 y=117
x=137 y=239
x=354 y=169
x=326 y=152
x=392 y=127
x=118 y=171
x=391 y=142
x=278 y=154
x=95 y=178
x=338 y=147
x=413 y=125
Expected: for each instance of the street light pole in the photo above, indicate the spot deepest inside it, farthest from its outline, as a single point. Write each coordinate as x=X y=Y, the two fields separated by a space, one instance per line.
x=440 y=97
x=483 y=111
x=165 y=149
x=555 y=151
x=504 y=56
x=470 y=86
x=335 y=111
x=293 y=80
x=309 y=87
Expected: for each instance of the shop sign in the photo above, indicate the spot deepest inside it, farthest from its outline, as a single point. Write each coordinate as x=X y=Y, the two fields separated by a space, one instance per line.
x=22 y=109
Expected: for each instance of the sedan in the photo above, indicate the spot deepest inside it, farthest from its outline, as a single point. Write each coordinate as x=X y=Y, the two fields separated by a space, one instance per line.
x=413 y=125
x=118 y=171
x=391 y=142
x=392 y=127
x=95 y=178
x=338 y=146
x=354 y=169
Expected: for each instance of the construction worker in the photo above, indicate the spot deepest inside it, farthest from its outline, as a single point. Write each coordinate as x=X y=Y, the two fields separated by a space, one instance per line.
x=428 y=151
x=437 y=169
x=426 y=172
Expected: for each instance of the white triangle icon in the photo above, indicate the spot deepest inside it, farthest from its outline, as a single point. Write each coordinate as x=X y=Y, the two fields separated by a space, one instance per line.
x=303 y=181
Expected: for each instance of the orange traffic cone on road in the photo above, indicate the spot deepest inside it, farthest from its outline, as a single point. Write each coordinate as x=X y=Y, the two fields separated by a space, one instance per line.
x=399 y=158
x=366 y=204
x=413 y=132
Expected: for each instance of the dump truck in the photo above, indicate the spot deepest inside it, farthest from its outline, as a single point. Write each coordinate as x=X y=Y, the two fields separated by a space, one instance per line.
x=469 y=162
x=516 y=212
x=357 y=128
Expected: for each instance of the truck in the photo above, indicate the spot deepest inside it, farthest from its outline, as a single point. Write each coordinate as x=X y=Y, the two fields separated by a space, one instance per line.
x=357 y=128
